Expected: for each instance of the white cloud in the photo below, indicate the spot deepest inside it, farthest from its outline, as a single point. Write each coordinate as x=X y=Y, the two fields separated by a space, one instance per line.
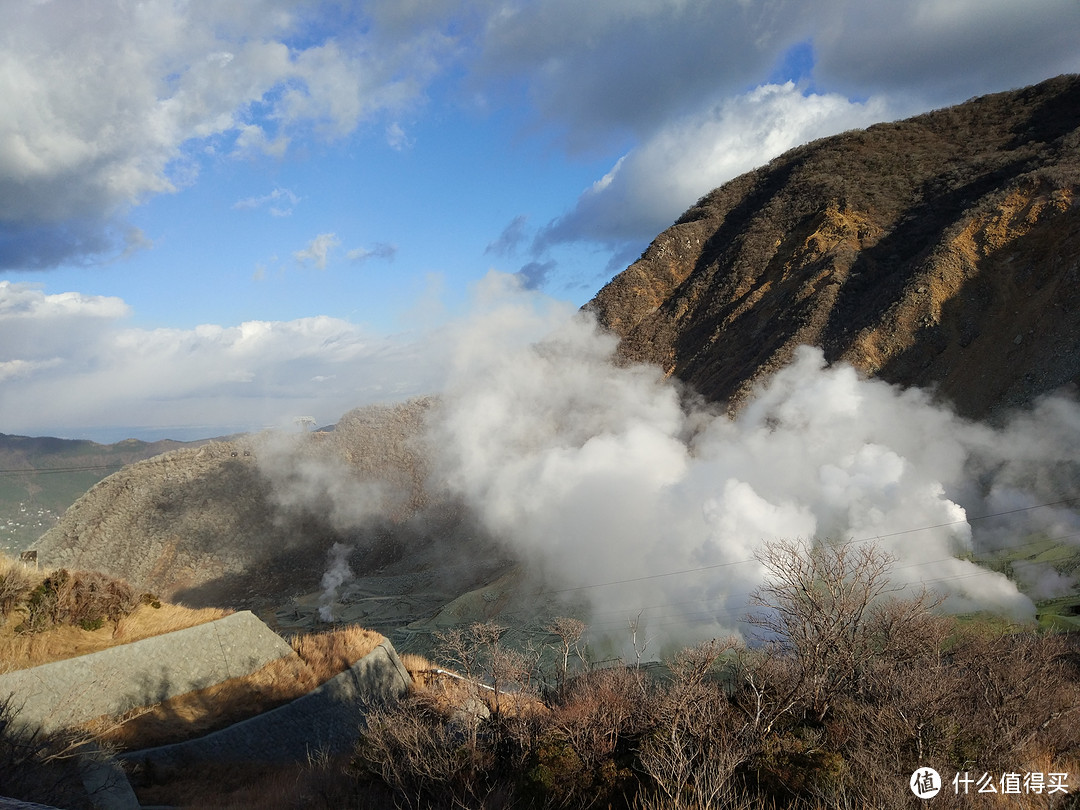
x=98 y=103
x=103 y=106
x=396 y=137
x=281 y=202
x=649 y=187
x=599 y=70
x=318 y=250
x=673 y=79
x=380 y=250
x=39 y=329
x=71 y=367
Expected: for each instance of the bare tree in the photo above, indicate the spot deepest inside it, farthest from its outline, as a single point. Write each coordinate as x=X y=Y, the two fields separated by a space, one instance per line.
x=696 y=743
x=833 y=610
x=570 y=632
x=638 y=637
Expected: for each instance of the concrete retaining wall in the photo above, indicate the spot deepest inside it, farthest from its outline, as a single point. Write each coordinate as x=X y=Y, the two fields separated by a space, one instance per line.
x=116 y=680
x=327 y=719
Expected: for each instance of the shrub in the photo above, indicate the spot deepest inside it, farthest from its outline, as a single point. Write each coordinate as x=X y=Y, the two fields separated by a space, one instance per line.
x=37 y=767
x=411 y=748
x=16 y=583
x=857 y=687
x=84 y=599
x=42 y=609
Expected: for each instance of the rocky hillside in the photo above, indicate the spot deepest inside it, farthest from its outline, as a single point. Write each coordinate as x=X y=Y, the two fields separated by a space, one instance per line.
x=41 y=477
x=251 y=516
x=942 y=251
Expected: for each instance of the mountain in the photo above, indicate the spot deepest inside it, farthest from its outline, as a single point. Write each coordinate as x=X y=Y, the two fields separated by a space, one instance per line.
x=194 y=515
x=40 y=477
x=942 y=251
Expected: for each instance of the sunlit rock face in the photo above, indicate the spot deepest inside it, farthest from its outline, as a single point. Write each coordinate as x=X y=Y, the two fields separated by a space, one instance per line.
x=942 y=251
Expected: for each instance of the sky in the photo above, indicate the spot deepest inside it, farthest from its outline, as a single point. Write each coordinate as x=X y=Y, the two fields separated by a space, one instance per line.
x=218 y=217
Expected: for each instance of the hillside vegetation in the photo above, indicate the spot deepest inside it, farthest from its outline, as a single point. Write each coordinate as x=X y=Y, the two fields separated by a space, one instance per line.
x=845 y=690
x=50 y=615
x=942 y=251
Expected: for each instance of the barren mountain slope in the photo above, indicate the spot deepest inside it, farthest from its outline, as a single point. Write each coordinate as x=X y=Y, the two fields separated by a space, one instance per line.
x=238 y=518
x=942 y=251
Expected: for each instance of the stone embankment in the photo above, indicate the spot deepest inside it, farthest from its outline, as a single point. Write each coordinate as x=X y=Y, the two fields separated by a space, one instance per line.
x=326 y=720
x=111 y=682
x=114 y=681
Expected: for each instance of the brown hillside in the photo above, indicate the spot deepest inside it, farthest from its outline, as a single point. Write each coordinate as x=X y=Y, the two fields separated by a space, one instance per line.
x=942 y=251
x=209 y=525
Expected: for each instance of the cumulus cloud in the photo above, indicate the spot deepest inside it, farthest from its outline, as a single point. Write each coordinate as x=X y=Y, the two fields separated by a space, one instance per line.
x=158 y=86
x=98 y=103
x=602 y=69
x=73 y=368
x=674 y=79
x=318 y=250
x=943 y=52
x=649 y=187
x=48 y=330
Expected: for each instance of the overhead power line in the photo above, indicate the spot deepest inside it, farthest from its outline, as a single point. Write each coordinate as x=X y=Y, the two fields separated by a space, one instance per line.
x=47 y=470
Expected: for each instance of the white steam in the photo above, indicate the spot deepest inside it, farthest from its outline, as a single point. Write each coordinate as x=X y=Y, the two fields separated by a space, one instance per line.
x=337 y=574
x=304 y=480
x=598 y=474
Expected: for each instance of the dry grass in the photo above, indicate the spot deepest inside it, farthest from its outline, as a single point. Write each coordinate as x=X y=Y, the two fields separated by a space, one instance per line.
x=147 y=621
x=422 y=669
x=329 y=653
x=21 y=650
x=319 y=657
x=16 y=581
x=448 y=692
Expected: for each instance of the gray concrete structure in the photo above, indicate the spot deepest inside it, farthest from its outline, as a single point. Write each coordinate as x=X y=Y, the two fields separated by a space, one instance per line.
x=328 y=719
x=116 y=680
x=105 y=783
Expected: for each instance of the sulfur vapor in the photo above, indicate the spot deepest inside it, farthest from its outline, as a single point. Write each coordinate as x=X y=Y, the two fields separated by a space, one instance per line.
x=602 y=475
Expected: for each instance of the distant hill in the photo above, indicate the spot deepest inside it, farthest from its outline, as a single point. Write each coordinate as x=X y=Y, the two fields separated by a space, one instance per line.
x=219 y=524
x=942 y=251
x=40 y=477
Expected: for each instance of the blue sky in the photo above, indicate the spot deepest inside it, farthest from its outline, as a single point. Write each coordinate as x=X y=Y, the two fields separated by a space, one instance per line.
x=216 y=216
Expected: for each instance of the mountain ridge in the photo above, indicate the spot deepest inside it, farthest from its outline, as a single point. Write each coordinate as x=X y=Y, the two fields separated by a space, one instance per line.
x=900 y=249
